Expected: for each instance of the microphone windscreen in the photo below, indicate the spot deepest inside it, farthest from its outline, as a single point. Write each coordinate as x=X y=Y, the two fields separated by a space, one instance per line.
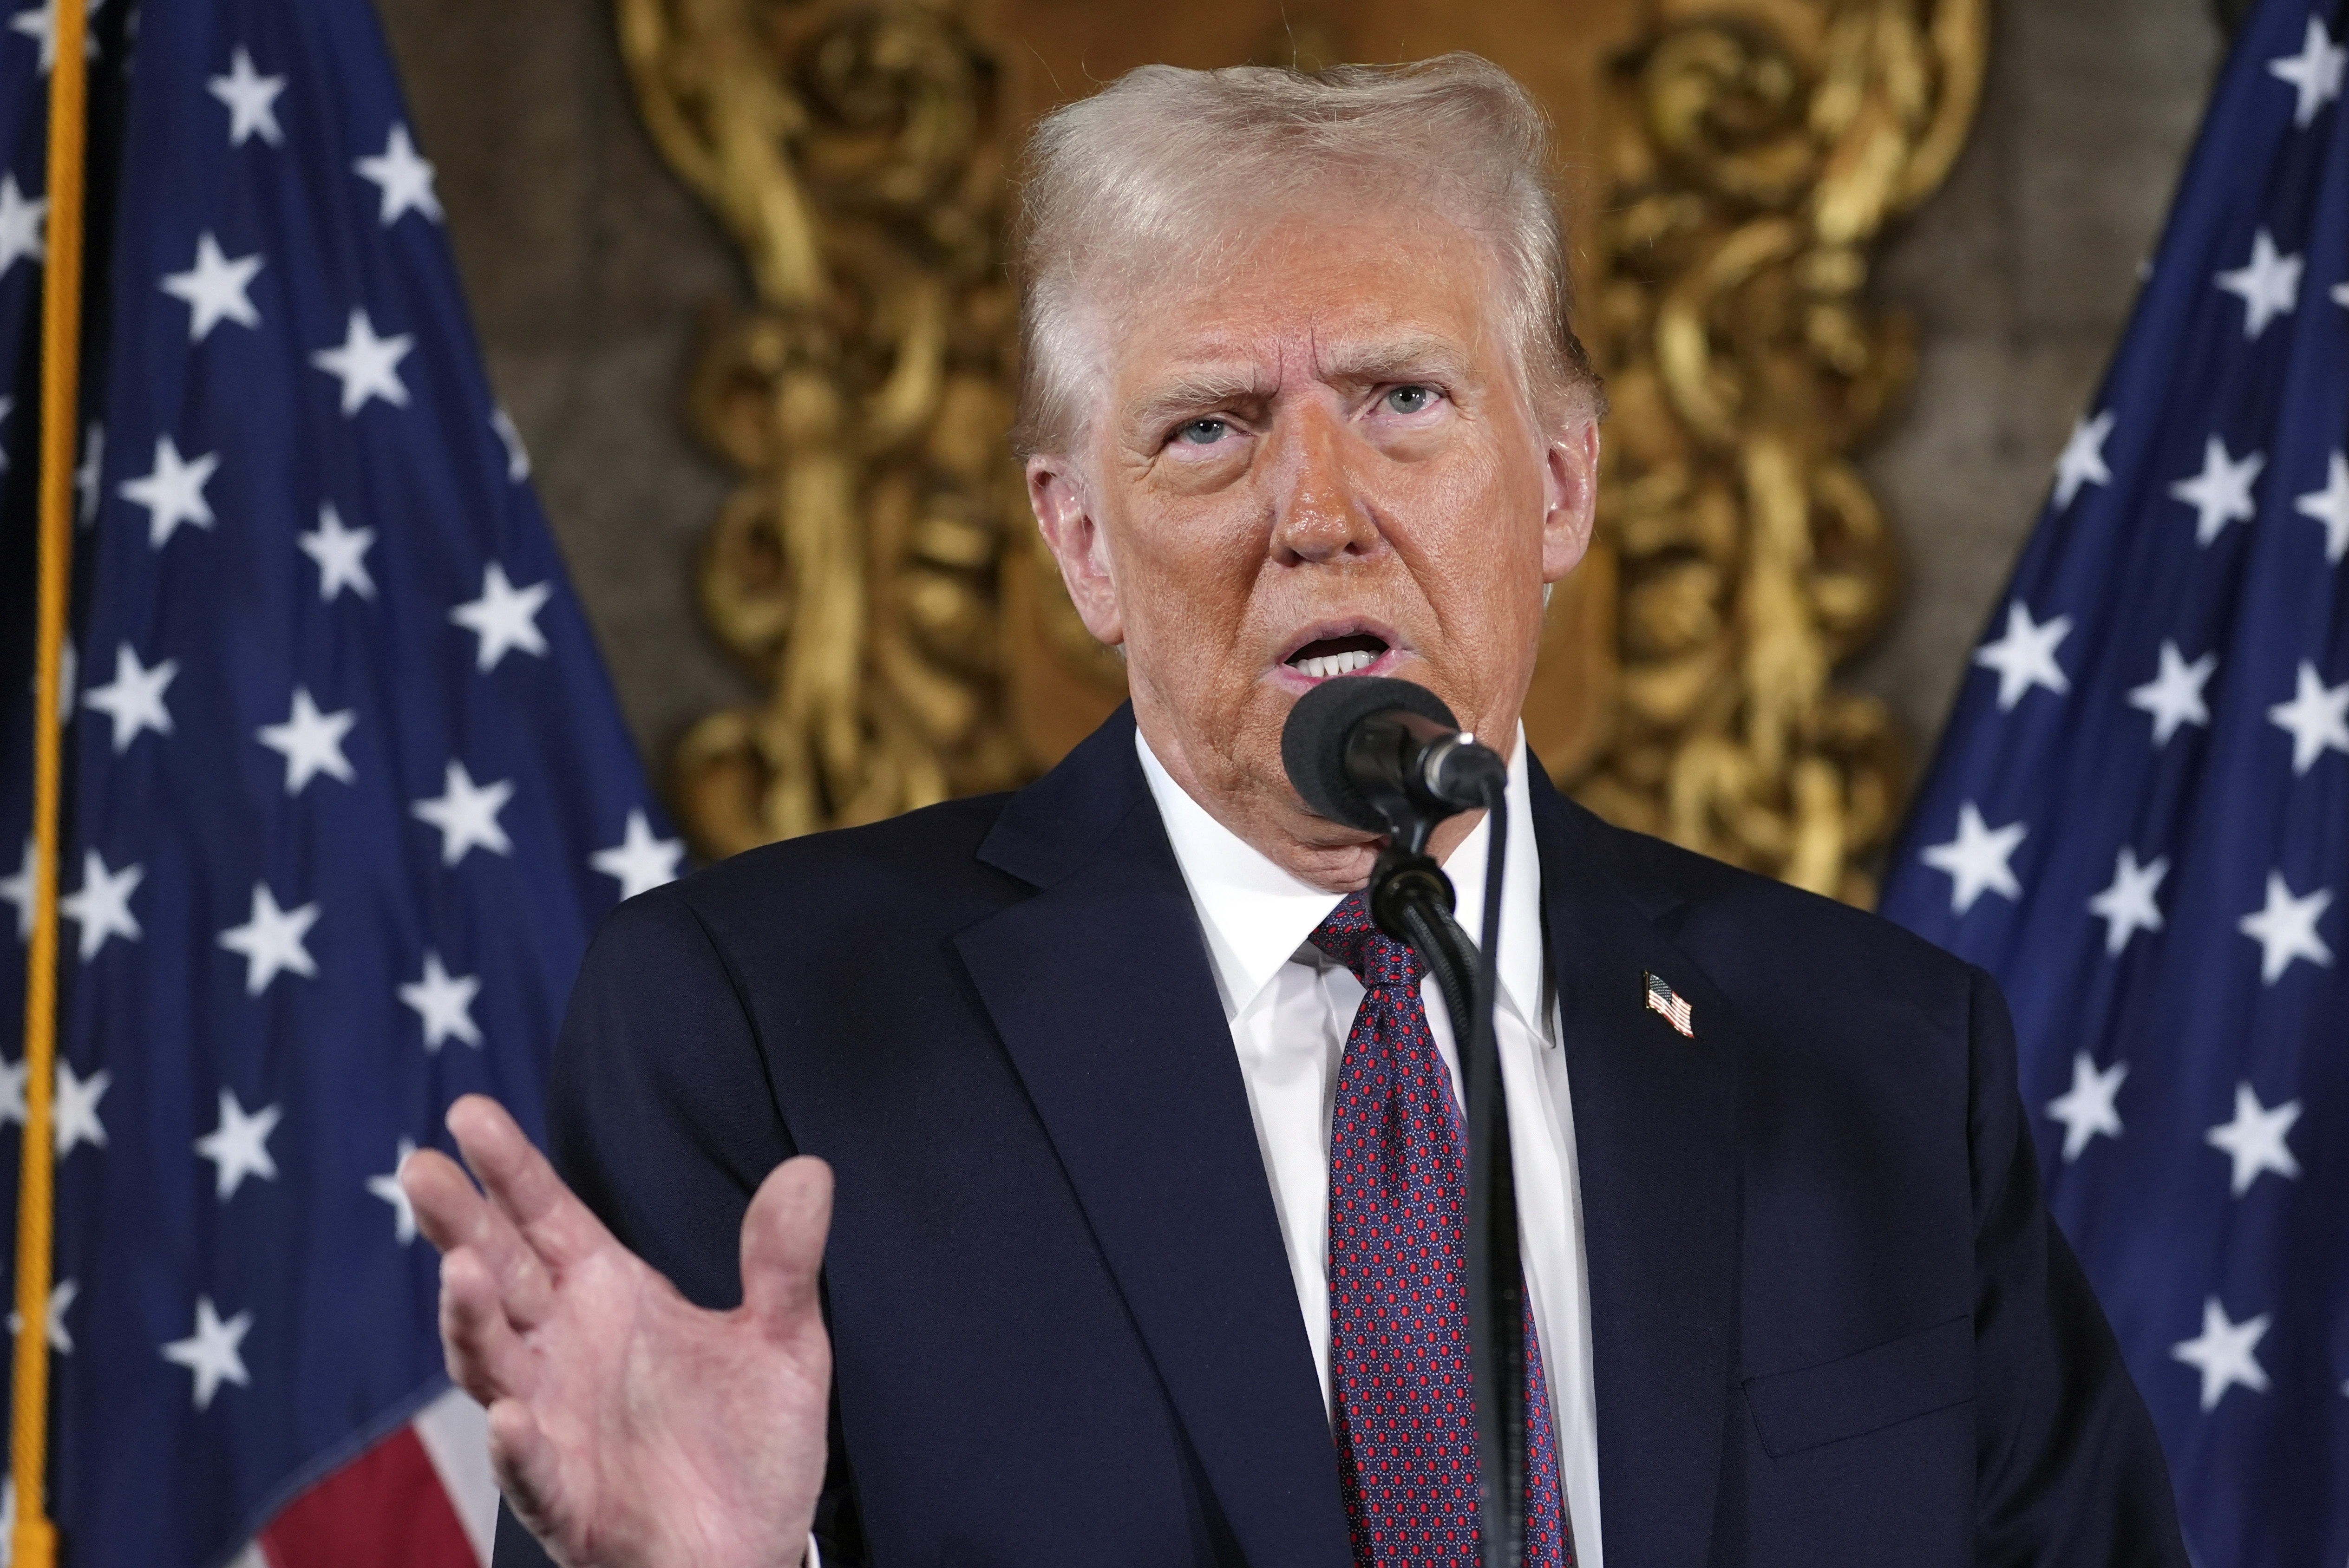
x=1314 y=741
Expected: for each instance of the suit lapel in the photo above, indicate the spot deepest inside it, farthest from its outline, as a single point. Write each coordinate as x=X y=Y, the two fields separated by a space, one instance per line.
x=1655 y=1133
x=1100 y=989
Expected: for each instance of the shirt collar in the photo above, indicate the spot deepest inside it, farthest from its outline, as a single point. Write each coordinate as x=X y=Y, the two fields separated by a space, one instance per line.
x=1255 y=915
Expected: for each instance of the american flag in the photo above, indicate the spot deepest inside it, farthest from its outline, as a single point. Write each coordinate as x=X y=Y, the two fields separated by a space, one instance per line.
x=2139 y=816
x=1663 y=999
x=347 y=789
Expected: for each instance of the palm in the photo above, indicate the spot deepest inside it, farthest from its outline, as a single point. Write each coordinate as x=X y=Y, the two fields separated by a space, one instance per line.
x=628 y=1425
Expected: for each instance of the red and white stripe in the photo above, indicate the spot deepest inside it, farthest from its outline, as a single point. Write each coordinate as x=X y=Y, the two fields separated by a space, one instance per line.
x=1663 y=999
x=421 y=1498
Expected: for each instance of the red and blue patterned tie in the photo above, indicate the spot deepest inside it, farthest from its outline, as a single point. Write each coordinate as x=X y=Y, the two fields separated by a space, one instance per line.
x=1399 y=1286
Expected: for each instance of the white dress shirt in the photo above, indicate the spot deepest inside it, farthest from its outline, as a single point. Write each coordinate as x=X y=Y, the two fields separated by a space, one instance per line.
x=1290 y=1007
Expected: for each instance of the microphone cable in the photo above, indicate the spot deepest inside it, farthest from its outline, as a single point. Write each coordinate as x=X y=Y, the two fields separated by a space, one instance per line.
x=1468 y=976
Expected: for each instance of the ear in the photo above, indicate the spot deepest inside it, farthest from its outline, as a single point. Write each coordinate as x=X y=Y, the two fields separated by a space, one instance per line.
x=1063 y=508
x=1570 y=485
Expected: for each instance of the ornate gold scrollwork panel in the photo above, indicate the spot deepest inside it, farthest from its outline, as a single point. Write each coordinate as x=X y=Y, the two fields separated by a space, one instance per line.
x=876 y=569
x=855 y=156
x=1754 y=152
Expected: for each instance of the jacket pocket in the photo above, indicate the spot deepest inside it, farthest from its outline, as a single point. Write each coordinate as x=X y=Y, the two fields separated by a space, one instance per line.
x=1898 y=1381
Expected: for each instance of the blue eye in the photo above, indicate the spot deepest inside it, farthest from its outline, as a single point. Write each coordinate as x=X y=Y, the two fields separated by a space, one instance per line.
x=1412 y=399
x=1203 y=432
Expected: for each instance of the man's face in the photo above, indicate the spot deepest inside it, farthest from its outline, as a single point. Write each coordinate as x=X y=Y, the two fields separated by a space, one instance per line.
x=1311 y=457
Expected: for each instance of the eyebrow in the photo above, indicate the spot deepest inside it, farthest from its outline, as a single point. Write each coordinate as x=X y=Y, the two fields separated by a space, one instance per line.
x=1368 y=364
x=1396 y=359
x=1196 y=390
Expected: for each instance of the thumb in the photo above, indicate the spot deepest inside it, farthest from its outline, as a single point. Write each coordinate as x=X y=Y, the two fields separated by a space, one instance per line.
x=783 y=1242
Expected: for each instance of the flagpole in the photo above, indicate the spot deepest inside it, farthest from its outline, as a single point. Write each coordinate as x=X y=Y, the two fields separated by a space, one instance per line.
x=35 y=1539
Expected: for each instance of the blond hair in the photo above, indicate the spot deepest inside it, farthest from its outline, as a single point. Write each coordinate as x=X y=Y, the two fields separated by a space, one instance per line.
x=1153 y=164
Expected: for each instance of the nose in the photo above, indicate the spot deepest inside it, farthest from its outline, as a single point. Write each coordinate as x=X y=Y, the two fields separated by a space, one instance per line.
x=1319 y=512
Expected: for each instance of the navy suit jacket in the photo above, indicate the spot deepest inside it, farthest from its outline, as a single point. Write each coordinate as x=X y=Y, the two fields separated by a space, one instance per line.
x=1831 y=1319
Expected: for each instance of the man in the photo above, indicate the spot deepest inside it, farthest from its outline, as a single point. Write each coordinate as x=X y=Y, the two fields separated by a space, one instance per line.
x=1146 y=1243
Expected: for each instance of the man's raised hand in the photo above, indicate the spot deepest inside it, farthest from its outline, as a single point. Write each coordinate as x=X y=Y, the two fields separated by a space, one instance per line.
x=628 y=1427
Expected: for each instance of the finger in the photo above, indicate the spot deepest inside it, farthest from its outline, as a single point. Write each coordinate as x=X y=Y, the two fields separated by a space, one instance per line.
x=522 y=1185
x=453 y=1214
x=447 y=1205
x=525 y=1464
x=783 y=1241
x=485 y=1357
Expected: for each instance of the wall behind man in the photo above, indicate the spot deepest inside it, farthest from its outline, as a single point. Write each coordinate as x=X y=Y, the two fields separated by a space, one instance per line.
x=590 y=268
x=2020 y=274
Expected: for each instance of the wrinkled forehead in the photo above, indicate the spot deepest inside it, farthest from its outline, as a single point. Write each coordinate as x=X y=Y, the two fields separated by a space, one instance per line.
x=1350 y=287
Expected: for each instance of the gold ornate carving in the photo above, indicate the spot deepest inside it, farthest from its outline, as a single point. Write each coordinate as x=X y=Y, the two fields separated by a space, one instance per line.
x=854 y=154
x=1755 y=151
x=870 y=569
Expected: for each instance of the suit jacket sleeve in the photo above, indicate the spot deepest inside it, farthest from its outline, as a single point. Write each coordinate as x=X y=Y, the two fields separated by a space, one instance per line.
x=2069 y=1469
x=662 y=1118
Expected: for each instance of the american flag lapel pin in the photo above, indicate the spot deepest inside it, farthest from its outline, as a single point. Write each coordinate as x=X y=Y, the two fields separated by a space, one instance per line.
x=1662 y=999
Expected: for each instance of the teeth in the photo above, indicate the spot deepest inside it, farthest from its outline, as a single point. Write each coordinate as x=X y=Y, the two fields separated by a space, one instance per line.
x=1328 y=664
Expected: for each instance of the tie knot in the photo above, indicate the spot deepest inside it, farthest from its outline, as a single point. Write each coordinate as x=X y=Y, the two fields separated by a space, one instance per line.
x=1351 y=937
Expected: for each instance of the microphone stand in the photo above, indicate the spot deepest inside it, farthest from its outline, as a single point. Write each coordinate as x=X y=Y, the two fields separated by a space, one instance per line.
x=1411 y=900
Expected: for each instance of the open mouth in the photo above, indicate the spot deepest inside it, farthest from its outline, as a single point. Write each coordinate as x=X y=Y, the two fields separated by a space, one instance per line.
x=1328 y=656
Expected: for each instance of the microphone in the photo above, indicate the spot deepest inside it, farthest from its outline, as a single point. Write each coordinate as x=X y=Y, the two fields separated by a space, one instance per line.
x=1387 y=757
